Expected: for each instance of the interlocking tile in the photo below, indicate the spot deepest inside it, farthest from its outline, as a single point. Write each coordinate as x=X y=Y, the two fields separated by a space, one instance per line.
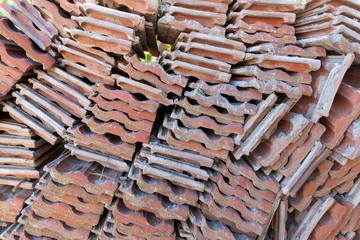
x=300 y=153
x=177 y=178
x=212 y=229
x=192 y=70
x=153 y=80
x=295 y=64
x=24 y=24
x=24 y=42
x=79 y=205
x=252 y=186
x=87 y=60
x=268 y=151
x=122 y=117
x=79 y=192
x=205 y=18
x=204 y=121
x=92 y=156
x=261 y=37
x=175 y=193
x=158 y=70
x=50 y=122
x=147 y=220
x=109 y=144
x=197 y=109
x=304 y=196
x=294 y=79
x=50 y=227
x=241 y=167
x=268 y=122
x=70 y=80
x=289 y=50
x=333 y=220
x=177 y=55
x=67 y=104
x=349 y=146
x=55 y=16
x=224 y=193
x=234 y=202
x=61 y=211
x=95 y=53
x=135 y=199
x=312 y=217
x=210 y=141
x=263 y=108
x=100 y=127
x=138 y=87
x=211 y=6
x=34 y=15
x=342 y=113
x=217 y=51
x=22 y=117
x=135 y=101
x=227 y=215
x=264 y=5
x=81 y=71
x=237 y=109
x=268 y=87
x=106 y=43
x=241 y=95
x=276 y=19
x=91 y=176
x=260 y=27
x=169 y=28
x=331 y=183
x=333 y=42
x=60 y=114
x=12 y=202
x=187 y=156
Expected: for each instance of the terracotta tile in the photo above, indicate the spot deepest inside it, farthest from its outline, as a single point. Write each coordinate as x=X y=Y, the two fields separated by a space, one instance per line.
x=191 y=70
x=115 y=128
x=135 y=199
x=149 y=91
x=227 y=215
x=122 y=118
x=238 y=193
x=227 y=53
x=21 y=21
x=204 y=121
x=113 y=108
x=109 y=144
x=153 y=80
x=173 y=27
x=157 y=69
x=79 y=192
x=237 y=109
x=92 y=156
x=176 y=194
x=268 y=87
x=55 y=15
x=70 y=170
x=261 y=37
x=194 y=108
x=210 y=141
x=147 y=220
x=67 y=104
x=24 y=42
x=240 y=167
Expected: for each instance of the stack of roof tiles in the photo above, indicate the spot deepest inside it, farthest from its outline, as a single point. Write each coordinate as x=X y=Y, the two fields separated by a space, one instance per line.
x=70 y=199
x=246 y=127
x=185 y=16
